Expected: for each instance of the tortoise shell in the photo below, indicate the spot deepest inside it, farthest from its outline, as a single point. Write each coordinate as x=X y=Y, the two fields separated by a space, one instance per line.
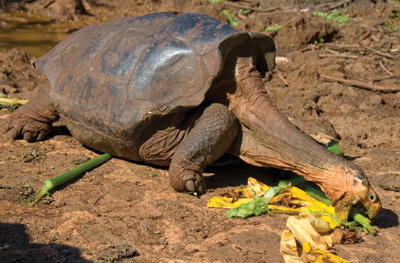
x=118 y=82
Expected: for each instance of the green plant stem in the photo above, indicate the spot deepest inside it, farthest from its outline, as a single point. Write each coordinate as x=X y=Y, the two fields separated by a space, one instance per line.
x=50 y=184
x=362 y=220
x=317 y=194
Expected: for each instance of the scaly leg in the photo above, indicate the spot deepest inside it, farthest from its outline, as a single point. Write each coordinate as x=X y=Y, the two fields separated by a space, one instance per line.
x=209 y=139
x=33 y=121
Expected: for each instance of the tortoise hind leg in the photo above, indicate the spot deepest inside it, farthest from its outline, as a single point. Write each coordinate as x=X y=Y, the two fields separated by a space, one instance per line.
x=33 y=121
x=211 y=137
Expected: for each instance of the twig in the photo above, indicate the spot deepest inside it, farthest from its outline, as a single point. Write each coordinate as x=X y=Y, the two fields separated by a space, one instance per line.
x=332 y=51
x=347 y=56
x=261 y=10
x=281 y=10
x=364 y=36
x=385 y=69
x=393 y=76
x=333 y=6
x=283 y=79
x=46 y=5
x=229 y=3
x=360 y=84
x=341 y=46
x=377 y=52
x=308 y=48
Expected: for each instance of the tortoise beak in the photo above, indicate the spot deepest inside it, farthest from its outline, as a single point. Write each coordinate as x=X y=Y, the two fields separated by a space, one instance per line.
x=364 y=206
x=342 y=209
x=372 y=207
x=373 y=210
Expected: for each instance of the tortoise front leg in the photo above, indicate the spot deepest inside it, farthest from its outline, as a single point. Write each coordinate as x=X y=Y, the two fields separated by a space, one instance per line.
x=210 y=138
x=33 y=121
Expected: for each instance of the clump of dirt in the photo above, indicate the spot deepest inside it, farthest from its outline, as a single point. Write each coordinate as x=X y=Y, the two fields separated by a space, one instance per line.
x=322 y=82
x=116 y=253
x=17 y=74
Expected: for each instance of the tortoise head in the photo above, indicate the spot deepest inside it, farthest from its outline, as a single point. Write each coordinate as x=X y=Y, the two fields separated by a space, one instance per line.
x=267 y=138
x=355 y=192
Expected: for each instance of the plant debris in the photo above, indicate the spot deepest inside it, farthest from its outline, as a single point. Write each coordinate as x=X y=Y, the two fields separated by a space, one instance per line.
x=36 y=155
x=315 y=226
x=345 y=236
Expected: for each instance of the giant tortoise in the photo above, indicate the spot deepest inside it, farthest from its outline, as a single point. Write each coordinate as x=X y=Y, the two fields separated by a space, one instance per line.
x=181 y=91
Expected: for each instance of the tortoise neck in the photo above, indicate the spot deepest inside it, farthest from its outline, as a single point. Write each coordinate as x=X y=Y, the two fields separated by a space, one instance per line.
x=268 y=138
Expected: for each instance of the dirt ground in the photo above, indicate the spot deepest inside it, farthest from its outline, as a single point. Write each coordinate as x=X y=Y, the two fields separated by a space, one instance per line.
x=127 y=212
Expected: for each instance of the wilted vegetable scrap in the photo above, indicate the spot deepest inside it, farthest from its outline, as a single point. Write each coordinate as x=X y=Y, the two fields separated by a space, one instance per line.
x=291 y=200
x=345 y=236
x=307 y=238
x=333 y=146
x=12 y=101
x=9 y=105
x=312 y=227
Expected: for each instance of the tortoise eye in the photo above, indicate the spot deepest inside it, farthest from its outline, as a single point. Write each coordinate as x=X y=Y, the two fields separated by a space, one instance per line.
x=372 y=197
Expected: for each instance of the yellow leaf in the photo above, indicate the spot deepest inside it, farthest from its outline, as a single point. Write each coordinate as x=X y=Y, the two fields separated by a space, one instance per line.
x=307 y=247
x=253 y=186
x=324 y=257
x=292 y=201
x=289 y=247
x=304 y=232
x=253 y=182
x=304 y=200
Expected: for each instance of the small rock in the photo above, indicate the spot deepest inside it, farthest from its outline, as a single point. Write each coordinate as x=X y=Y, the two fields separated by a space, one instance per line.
x=118 y=252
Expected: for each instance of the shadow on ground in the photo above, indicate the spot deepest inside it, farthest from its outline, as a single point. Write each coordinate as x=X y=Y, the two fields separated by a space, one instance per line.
x=16 y=247
x=386 y=219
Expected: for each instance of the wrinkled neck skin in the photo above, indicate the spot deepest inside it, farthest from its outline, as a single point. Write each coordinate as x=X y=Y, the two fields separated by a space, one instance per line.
x=268 y=138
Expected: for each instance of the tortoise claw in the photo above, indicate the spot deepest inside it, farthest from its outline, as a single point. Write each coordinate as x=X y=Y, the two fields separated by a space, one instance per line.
x=188 y=181
x=41 y=136
x=12 y=133
x=197 y=185
x=28 y=136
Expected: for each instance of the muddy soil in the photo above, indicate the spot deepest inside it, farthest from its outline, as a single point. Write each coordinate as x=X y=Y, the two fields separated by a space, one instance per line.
x=127 y=212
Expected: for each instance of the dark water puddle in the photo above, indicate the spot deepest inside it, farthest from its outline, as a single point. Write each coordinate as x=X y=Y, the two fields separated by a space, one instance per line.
x=35 y=35
x=35 y=39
